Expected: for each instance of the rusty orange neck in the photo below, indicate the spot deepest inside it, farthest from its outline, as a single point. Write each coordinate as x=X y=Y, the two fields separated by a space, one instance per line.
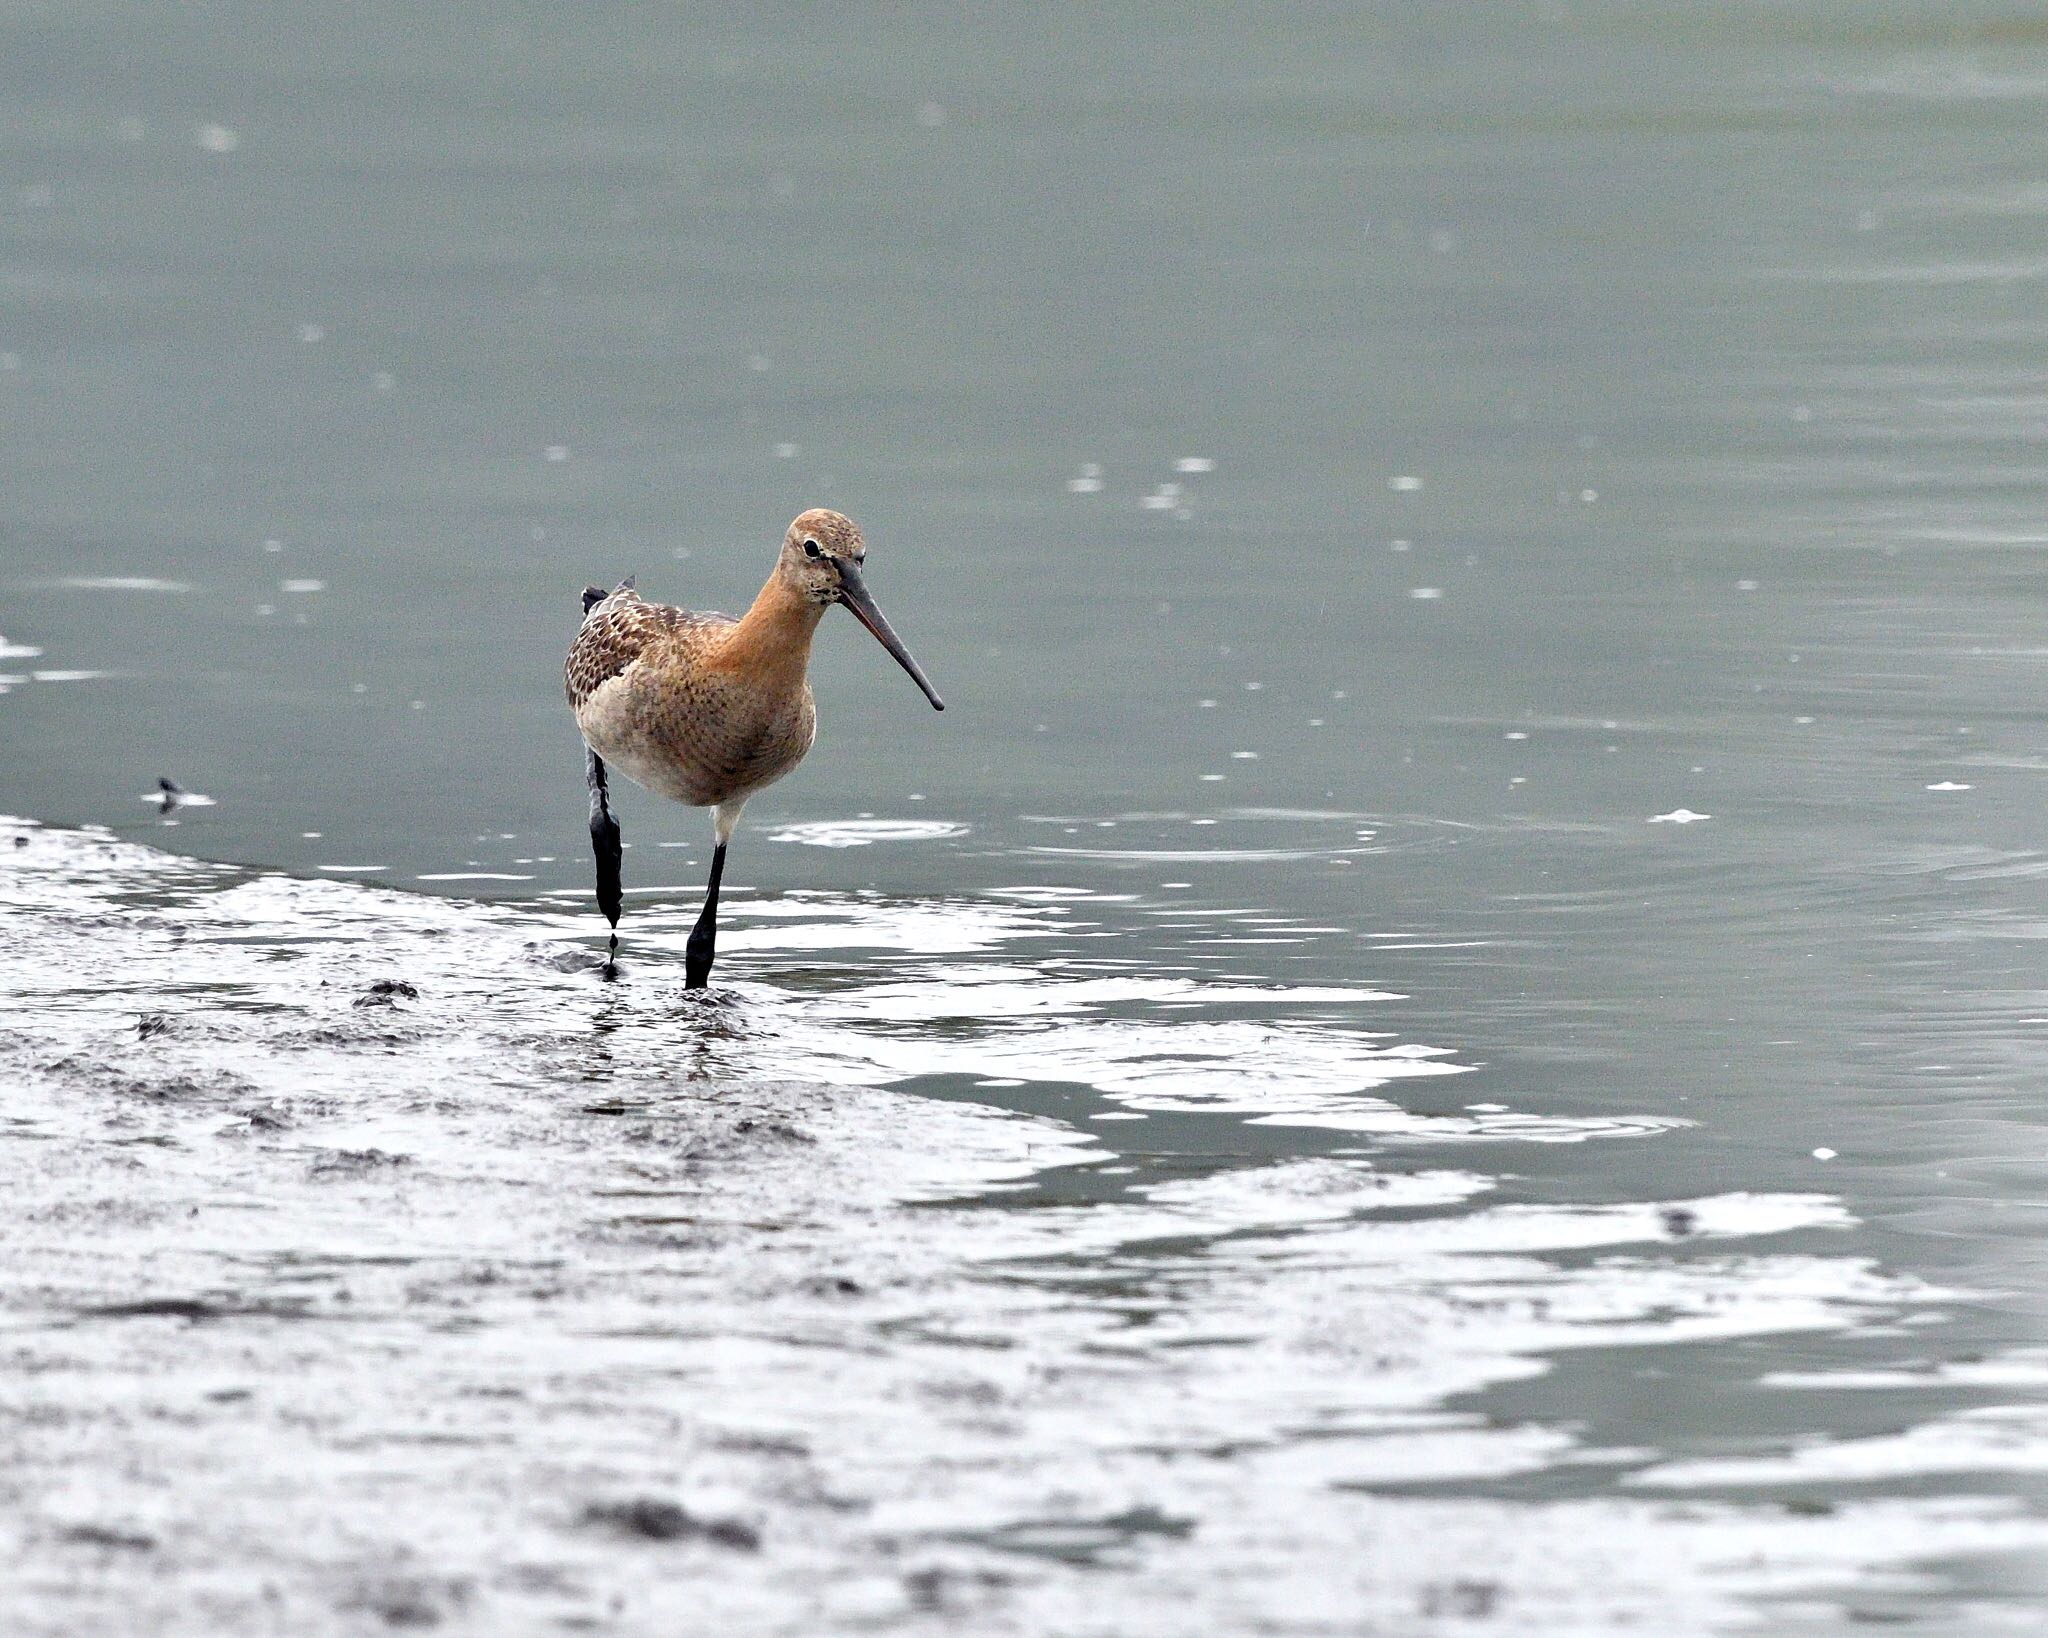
x=772 y=641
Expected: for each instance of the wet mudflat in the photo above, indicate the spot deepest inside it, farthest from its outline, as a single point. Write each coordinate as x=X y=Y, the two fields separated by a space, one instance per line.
x=376 y=1263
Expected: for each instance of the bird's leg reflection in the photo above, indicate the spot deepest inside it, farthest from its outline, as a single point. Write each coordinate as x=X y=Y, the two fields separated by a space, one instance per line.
x=638 y=1049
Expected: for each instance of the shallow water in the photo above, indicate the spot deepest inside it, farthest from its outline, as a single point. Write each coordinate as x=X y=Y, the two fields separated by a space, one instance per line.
x=1445 y=1033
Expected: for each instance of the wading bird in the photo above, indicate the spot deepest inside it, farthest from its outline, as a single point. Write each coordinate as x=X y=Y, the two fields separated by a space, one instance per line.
x=707 y=709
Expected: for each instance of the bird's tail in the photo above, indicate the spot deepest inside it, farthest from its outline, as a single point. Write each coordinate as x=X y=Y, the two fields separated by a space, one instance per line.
x=594 y=595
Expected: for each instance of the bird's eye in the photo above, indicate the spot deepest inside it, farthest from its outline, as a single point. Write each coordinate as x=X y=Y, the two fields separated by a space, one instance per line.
x=811 y=549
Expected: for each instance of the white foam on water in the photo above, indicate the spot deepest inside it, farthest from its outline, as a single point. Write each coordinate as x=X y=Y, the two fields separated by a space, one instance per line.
x=471 y=876
x=1989 y=1439
x=864 y=832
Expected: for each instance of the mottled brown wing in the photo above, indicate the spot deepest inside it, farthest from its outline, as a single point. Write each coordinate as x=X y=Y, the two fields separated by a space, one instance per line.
x=618 y=631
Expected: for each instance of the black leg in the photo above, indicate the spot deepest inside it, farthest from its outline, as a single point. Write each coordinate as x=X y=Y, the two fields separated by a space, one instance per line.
x=703 y=943
x=604 y=843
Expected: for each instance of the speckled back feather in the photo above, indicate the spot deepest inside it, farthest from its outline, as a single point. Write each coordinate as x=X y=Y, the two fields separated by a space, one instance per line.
x=620 y=629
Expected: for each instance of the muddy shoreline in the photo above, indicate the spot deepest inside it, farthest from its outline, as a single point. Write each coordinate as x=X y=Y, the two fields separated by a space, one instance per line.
x=374 y=1266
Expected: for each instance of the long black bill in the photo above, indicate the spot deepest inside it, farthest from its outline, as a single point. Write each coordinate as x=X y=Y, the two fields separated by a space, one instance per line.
x=853 y=592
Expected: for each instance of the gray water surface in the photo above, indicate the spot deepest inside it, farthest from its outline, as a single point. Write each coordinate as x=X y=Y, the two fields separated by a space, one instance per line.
x=1466 y=939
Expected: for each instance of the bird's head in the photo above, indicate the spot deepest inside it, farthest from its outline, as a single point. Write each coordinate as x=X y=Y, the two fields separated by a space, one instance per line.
x=818 y=545
x=822 y=559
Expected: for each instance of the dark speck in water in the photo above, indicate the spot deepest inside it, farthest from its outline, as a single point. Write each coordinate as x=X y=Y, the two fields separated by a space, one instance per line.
x=356 y=1162
x=104 y=1535
x=772 y=1128
x=410 y=1602
x=943 y=1589
x=835 y=1285
x=191 y=1308
x=654 y=1518
x=1462 y=1600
